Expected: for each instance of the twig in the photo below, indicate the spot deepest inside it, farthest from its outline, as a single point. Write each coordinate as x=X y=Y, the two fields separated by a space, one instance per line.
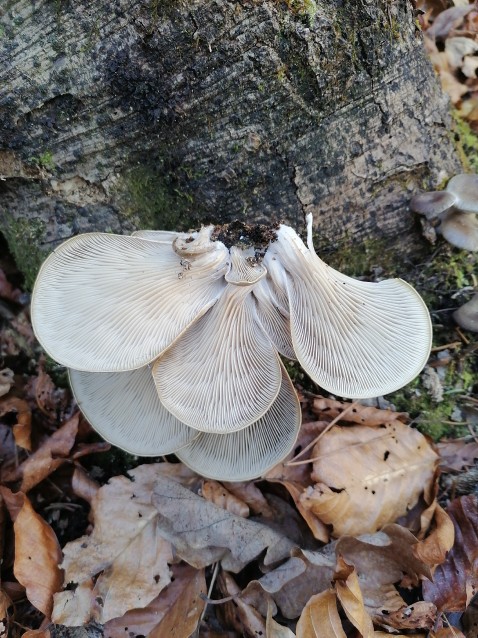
x=294 y=461
x=453 y=345
x=208 y=599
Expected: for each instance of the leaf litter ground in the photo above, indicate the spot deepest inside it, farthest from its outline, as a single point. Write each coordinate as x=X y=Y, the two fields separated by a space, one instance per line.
x=368 y=529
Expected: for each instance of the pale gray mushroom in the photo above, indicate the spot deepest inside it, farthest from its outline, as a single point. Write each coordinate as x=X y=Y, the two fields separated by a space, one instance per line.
x=252 y=451
x=355 y=339
x=432 y=204
x=224 y=372
x=460 y=229
x=126 y=299
x=465 y=188
x=125 y=409
x=467 y=315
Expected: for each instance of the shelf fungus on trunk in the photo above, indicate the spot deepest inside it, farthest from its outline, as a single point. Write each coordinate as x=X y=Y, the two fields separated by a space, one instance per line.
x=173 y=339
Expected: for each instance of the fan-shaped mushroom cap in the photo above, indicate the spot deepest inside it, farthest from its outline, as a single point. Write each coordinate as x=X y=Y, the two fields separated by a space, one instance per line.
x=249 y=453
x=465 y=188
x=105 y=303
x=355 y=339
x=460 y=229
x=467 y=315
x=432 y=204
x=223 y=373
x=125 y=409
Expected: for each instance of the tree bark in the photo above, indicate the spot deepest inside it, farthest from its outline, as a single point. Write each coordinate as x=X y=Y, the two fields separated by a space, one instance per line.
x=166 y=114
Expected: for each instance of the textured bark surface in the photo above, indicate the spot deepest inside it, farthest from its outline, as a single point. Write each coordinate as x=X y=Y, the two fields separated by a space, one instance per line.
x=165 y=114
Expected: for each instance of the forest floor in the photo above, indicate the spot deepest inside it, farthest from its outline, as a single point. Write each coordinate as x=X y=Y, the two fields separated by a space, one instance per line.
x=369 y=528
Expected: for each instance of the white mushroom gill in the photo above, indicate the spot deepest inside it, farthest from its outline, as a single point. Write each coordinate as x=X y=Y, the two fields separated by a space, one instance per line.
x=109 y=303
x=118 y=404
x=173 y=338
x=355 y=339
x=251 y=451
x=223 y=373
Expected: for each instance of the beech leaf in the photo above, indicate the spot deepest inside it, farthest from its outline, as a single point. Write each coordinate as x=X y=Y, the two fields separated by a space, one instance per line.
x=320 y=618
x=368 y=476
x=350 y=596
x=37 y=553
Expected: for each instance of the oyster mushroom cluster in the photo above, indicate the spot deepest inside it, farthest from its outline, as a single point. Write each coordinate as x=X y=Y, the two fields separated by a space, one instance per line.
x=172 y=340
x=455 y=209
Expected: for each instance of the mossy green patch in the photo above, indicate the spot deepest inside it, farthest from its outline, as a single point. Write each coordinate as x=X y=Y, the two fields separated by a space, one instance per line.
x=466 y=142
x=23 y=237
x=151 y=200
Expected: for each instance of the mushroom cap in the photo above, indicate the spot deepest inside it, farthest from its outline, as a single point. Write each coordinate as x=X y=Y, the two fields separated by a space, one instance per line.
x=252 y=451
x=460 y=230
x=109 y=303
x=467 y=315
x=355 y=339
x=465 y=188
x=432 y=204
x=125 y=409
x=223 y=373
x=164 y=236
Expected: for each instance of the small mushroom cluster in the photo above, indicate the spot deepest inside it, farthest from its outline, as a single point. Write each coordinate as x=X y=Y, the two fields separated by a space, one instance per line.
x=173 y=339
x=455 y=208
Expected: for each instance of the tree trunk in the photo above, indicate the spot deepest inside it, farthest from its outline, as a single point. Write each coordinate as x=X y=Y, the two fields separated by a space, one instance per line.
x=165 y=114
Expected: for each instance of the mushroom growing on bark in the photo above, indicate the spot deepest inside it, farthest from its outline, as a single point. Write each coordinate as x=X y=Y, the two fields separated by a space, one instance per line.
x=467 y=315
x=455 y=209
x=173 y=339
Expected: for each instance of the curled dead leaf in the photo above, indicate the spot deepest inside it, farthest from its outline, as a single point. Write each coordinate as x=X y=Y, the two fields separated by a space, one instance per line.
x=320 y=617
x=455 y=581
x=350 y=596
x=50 y=455
x=23 y=426
x=216 y=493
x=37 y=552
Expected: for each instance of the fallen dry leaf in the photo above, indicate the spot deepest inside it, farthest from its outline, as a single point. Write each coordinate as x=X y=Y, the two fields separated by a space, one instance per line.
x=123 y=564
x=274 y=629
x=368 y=476
x=360 y=414
x=294 y=582
x=433 y=549
x=457 y=455
x=420 y=615
x=50 y=455
x=5 y=603
x=23 y=426
x=455 y=582
x=320 y=618
x=252 y=496
x=238 y=613
x=350 y=596
x=203 y=533
x=179 y=600
x=216 y=493
x=37 y=552
x=83 y=485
